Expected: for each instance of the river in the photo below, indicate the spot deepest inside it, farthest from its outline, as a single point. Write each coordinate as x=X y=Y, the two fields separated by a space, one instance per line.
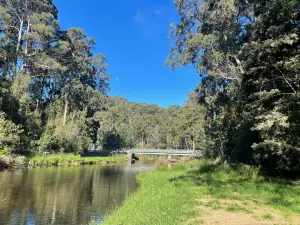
x=65 y=195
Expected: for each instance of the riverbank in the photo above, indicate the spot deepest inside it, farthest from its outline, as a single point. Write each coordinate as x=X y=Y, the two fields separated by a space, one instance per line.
x=56 y=160
x=209 y=193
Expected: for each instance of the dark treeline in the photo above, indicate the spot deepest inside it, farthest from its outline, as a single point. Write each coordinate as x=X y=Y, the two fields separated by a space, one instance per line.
x=53 y=92
x=248 y=55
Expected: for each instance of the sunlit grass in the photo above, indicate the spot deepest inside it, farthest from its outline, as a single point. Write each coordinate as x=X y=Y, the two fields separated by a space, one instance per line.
x=267 y=217
x=158 y=201
x=71 y=159
x=174 y=196
x=235 y=208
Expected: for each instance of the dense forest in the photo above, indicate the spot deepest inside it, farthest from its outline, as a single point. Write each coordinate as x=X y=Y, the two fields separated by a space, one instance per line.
x=248 y=55
x=53 y=93
x=127 y=125
x=53 y=89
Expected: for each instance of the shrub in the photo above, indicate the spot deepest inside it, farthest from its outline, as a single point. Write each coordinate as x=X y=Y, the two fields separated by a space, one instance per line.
x=5 y=161
x=69 y=138
x=9 y=135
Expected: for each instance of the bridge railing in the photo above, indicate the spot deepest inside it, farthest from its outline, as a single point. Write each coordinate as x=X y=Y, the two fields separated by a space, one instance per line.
x=164 y=151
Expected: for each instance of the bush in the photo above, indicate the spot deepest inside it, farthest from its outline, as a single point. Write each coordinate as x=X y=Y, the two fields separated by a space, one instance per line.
x=69 y=138
x=9 y=135
x=278 y=157
x=5 y=161
x=19 y=160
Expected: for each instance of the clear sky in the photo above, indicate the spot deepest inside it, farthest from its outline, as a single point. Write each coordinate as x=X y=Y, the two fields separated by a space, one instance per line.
x=133 y=35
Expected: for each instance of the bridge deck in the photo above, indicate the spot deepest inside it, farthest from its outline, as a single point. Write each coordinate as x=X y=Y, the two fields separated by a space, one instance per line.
x=163 y=152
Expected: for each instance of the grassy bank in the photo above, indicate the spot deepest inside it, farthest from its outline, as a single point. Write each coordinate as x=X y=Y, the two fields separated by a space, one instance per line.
x=70 y=159
x=210 y=193
x=54 y=160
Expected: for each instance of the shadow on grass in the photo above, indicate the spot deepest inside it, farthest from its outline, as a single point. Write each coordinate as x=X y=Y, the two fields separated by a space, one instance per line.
x=242 y=182
x=96 y=153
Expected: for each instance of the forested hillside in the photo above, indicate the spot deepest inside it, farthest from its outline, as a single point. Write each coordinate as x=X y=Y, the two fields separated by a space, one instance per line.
x=126 y=125
x=248 y=55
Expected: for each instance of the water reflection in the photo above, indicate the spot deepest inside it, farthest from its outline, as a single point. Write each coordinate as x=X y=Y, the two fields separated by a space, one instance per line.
x=64 y=195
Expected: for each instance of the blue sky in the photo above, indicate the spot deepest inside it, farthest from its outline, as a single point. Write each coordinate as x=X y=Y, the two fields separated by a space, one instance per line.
x=133 y=35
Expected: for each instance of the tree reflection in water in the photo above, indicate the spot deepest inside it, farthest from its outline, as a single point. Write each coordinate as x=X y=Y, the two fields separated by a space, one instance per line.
x=64 y=195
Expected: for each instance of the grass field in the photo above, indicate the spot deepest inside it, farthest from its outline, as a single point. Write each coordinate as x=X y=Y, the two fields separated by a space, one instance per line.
x=210 y=193
x=61 y=159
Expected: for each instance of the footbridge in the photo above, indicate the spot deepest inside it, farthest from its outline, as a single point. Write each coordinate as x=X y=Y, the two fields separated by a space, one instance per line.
x=169 y=152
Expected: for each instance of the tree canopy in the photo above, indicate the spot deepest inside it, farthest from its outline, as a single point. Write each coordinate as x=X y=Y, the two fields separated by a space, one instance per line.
x=247 y=53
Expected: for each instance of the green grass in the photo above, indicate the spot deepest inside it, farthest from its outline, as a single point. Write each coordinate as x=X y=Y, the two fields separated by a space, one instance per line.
x=158 y=201
x=236 y=208
x=71 y=159
x=267 y=216
x=176 y=196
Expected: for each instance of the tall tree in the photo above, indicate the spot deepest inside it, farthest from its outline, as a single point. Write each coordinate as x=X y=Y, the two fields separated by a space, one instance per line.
x=272 y=83
x=208 y=36
x=247 y=53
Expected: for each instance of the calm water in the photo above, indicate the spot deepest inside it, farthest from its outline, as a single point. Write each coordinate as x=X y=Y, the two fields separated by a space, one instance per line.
x=65 y=195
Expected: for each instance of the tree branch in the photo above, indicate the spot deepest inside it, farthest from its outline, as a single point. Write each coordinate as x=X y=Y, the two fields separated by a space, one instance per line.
x=288 y=83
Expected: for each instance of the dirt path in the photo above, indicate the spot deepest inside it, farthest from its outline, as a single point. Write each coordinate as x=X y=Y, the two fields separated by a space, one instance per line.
x=234 y=212
x=225 y=217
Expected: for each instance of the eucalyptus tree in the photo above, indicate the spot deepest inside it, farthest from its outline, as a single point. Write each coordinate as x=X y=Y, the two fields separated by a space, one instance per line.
x=83 y=70
x=193 y=122
x=25 y=24
x=208 y=36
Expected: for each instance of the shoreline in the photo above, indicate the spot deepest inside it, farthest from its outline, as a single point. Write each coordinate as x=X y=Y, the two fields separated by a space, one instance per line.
x=199 y=192
x=18 y=162
x=8 y=162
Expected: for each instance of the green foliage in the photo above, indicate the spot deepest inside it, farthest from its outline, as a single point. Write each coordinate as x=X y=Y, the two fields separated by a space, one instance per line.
x=208 y=36
x=271 y=84
x=51 y=83
x=71 y=137
x=127 y=136
x=247 y=54
x=9 y=135
x=126 y=125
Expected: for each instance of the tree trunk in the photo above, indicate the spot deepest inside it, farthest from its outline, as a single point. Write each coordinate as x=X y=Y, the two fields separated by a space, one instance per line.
x=193 y=144
x=20 y=34
x=37 y=106
x=142 y=142
x=193 y=136
x=186 y=143
x=65 y=113
x=221 y=151
x=27 y=32
x=53 y=88
x=5 y=69
x=25 y=62
x=19 y=44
